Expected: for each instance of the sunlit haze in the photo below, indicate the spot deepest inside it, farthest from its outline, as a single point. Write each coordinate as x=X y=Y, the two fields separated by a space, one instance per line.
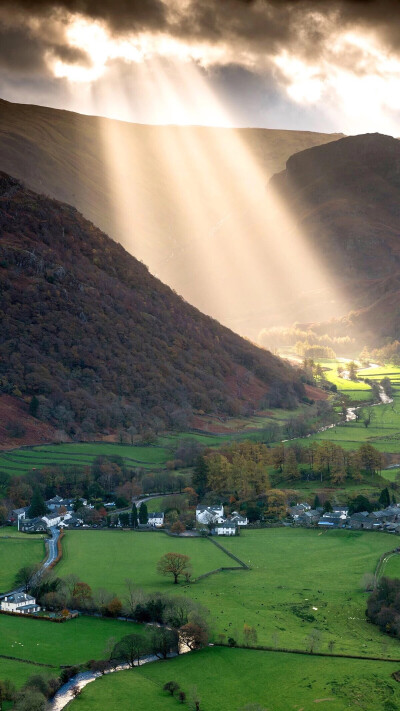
x=209 y=224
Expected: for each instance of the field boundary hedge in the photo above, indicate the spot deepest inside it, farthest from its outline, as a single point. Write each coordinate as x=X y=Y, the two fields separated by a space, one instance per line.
x=228 y=553
x=30 y=616
x=285 y=650
x=218 y=570
x=28 y=661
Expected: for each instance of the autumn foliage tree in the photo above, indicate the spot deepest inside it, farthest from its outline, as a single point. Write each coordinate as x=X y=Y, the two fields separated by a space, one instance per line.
x=175 y=564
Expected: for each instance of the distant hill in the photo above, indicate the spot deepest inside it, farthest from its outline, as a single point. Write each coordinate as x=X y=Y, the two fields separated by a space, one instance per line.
x=168 y=194
x=346 y=198
x=103 y=344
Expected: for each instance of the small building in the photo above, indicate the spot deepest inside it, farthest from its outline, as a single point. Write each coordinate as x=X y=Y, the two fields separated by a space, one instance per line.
x=357 y=520
x=22 y=603
x=238 y=519
x=308 y=518
x=155 y=518
x=330 y=521
x=33 y=525
x=228 y=528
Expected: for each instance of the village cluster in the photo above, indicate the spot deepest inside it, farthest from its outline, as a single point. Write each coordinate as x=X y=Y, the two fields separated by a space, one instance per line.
x=387 y=519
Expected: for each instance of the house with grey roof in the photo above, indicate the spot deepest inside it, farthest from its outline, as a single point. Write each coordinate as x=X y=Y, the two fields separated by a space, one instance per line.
x=155 y=518
x=357 y=520
x=33 y=525
x=227 y=528
x=22 y=603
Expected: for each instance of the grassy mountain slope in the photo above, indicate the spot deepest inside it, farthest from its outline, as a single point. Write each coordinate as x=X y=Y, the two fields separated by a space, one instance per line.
x=101 y=342
x=161 y=191
x=346 y=197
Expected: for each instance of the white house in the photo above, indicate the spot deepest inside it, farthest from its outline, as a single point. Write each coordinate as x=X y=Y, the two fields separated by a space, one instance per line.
x=210 y=514
x=228 y=528
x=155 y=518
x=19 y=602
x=52 y=519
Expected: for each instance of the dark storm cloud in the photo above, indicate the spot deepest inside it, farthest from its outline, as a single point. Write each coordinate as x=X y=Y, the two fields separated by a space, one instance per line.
x=118 y=14
x=23 y=50
x=253 y=29
x=273 y=20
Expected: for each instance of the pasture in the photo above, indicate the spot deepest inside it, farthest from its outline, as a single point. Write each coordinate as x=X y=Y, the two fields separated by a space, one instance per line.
x=15 y=552
x=68 y=643
x=300 y=581
x=229 y=679
x=107 y=558
x=20 y=461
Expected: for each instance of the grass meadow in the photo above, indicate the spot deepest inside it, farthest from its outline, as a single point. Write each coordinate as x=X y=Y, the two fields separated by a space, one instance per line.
x=107 y=558
x=384 y=429
x=300 y=581
x=228 y=679
x=15 y=552
x=72 y=642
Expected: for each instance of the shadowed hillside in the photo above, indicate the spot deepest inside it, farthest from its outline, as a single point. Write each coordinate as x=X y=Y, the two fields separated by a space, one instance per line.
x=101 y=343
x=346 y=198
x=172 y=196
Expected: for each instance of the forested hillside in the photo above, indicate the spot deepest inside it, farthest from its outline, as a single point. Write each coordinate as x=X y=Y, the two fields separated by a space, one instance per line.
x=99 y=343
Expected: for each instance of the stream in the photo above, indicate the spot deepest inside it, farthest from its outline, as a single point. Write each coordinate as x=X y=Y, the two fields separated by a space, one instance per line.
x=65 y=694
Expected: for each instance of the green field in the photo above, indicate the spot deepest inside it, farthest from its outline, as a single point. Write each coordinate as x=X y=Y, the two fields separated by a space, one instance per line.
x=20 y=461
x=391 y=568
x=228 y=679
x=15 y=552
x=293 y=571
x=384 y=429
x=108 y=558
x=19 y=672
x=72 y=642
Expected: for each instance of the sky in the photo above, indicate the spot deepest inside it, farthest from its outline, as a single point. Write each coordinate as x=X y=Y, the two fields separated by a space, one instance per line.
x=319 y=65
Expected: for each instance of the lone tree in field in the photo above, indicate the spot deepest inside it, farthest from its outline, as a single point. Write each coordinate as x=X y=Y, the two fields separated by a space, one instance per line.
x=175 y=564
x=171 y=686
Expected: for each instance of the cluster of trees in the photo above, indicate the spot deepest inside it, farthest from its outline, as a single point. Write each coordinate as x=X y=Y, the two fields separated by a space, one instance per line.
x=241 y=468
x=35 y=693
x=383 y=608
x=310 y=350
x=389 y=353
x=107 y=478
x=275 y=338
x=326 y=461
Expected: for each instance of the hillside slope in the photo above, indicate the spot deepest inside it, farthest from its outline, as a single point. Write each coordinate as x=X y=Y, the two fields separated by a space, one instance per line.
x=163 y=192
x=101 y=342
x=346 y=198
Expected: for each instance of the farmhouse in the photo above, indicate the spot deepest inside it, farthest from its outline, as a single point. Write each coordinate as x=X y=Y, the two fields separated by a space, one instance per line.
x=156 y=518
x=210 y=514
x=19 y=602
